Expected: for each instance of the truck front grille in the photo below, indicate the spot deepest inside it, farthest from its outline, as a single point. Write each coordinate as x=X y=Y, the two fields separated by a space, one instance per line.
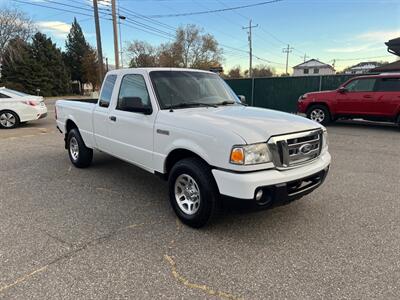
x=295 y=149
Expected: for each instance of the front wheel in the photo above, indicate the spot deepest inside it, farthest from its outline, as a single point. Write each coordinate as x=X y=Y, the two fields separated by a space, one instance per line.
x=193 y=192
x=80 y=155
x=319 y=114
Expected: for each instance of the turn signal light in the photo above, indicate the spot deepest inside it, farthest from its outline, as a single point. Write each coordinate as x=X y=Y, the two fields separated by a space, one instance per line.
x=237 y=156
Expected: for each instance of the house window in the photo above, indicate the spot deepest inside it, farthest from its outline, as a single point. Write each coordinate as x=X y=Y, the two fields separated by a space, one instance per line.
x=316 y=71
x=306 y=71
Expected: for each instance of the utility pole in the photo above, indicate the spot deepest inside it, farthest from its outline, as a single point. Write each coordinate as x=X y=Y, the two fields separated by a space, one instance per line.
x=120 y=37
x=250 y=47
x=305 y=57
x=98 y=38
x=114 y=20
x=287 y=50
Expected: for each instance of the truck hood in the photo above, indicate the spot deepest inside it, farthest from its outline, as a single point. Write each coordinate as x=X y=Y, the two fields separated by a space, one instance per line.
x=252 y=124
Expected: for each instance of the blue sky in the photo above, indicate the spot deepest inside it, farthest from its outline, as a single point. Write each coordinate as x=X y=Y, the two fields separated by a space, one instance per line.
x=348 y=31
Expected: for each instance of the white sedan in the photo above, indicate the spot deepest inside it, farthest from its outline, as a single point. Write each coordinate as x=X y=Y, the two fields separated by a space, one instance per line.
x=17 y=108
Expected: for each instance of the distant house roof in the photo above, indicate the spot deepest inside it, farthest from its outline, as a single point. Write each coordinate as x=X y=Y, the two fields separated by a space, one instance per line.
x=366 y=65
x=394 y=46
x=312 y=63
x=392 y=67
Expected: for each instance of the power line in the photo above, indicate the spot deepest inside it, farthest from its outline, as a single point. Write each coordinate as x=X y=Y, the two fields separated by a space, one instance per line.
x=214 y=11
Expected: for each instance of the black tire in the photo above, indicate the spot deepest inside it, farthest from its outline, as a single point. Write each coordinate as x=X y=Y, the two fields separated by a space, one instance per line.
x=320 y=110
x=208 y=204
x=84 y=155
x=398 y=120
x=9 y=119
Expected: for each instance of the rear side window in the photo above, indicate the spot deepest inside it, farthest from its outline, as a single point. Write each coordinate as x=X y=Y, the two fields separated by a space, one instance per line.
x=361 y=85
x=388 y=85
x=106 y=92
x=2 y=96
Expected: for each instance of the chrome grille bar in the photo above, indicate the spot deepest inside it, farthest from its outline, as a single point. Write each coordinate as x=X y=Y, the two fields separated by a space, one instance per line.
x=295 y=149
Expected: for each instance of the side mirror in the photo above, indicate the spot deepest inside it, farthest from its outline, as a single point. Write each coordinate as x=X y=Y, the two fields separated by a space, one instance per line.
x=342 y=90
x=134 y=104
x=242 y=99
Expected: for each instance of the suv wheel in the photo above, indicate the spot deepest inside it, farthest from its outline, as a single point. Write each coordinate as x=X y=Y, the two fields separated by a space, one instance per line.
x=8 y=119
x=320 y=114
x=80 y=155
x=192 y=191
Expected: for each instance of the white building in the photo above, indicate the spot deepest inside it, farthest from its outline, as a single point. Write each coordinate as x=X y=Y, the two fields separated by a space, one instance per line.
x=362 y=67
x=313 y=67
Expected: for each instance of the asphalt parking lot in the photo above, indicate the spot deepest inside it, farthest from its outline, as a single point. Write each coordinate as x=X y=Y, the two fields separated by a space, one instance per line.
x=108 y=231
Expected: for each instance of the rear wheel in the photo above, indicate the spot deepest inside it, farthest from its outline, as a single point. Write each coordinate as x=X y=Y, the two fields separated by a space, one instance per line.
x=80 y=155
x=8 y=119
x=193 y=192
x=319 y=114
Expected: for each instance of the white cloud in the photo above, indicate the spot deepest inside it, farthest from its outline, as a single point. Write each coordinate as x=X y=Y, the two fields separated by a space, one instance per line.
x=55 y=28
x=378 y=36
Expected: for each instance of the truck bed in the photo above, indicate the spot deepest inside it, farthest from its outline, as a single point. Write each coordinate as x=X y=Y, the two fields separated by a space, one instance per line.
x=91 y=100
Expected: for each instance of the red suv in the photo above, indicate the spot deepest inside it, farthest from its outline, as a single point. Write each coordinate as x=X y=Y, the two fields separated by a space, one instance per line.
x=375 y=98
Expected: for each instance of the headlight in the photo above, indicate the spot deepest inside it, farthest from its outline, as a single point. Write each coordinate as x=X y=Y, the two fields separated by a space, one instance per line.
x=250 y=154
x=303 y=97
x=325 y=140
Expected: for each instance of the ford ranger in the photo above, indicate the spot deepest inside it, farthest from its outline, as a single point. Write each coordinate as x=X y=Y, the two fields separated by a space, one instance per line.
x=190 y=128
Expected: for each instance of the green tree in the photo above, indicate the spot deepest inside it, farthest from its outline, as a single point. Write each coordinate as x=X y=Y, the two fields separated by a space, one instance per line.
x=50 y=72
x=17 y=65
x=76 y=49
x=90 y=68
x=39 y=65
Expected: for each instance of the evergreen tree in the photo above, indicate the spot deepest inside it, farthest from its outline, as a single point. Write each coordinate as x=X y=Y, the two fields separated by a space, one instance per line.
x=76 y=49
x=28 y=67
x=17 y=71
x=51 y=75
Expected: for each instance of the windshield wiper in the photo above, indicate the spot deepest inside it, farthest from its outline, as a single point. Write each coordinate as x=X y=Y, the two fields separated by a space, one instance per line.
x=225 y=103
x=191 y=104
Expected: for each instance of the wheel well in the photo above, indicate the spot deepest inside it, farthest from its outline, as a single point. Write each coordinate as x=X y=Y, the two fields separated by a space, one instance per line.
x=177 y=155
x=9 y=110
x=317 y=103
x=69 y=126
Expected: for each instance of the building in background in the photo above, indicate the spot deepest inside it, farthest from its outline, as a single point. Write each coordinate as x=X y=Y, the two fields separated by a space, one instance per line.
x=363 y=67
x=393 y=67
x=313 y=67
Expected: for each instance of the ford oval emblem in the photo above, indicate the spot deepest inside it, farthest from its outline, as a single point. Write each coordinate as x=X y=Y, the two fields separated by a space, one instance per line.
x=305 y=149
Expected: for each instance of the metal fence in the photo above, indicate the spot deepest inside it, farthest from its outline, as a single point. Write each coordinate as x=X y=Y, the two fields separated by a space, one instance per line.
x=281 y=93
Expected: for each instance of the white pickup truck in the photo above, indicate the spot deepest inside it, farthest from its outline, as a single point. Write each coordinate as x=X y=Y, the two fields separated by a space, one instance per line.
x=189 y=127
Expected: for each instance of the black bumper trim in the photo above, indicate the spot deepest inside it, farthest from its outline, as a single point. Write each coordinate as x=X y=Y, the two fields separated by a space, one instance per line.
x=284 y=193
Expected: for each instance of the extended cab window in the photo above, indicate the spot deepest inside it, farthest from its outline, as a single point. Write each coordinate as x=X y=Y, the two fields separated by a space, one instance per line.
x=133 y=91
x=106 y=92
x=388 y=85
x=361 y=85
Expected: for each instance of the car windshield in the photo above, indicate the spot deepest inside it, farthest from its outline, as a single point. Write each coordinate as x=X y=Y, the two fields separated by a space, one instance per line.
x=19 y=94
x=182 y=89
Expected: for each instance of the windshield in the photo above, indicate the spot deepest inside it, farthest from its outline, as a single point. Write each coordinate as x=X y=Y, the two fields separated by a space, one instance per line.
x=20 y=94
x=176 y=89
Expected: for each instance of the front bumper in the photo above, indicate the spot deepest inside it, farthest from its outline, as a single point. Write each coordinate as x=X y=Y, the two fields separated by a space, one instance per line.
x=245 y=185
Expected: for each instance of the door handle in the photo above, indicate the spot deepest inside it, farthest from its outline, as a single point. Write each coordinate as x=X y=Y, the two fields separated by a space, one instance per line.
x=113 y=118
x=368 y=96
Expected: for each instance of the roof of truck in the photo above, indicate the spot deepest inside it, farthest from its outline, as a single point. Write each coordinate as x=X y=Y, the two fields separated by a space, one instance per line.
x=127 y=70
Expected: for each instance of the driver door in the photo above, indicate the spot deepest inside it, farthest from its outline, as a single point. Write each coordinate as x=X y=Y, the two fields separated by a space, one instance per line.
x=132 y=132
x=358 y=98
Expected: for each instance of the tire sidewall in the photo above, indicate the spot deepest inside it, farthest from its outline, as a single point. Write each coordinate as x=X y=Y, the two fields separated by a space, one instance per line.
x=85 y=154
x=327 y=118
x=207 y=194
x=17 y=120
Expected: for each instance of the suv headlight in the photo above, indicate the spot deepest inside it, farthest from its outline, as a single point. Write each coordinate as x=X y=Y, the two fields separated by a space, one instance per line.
x=250 y=154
